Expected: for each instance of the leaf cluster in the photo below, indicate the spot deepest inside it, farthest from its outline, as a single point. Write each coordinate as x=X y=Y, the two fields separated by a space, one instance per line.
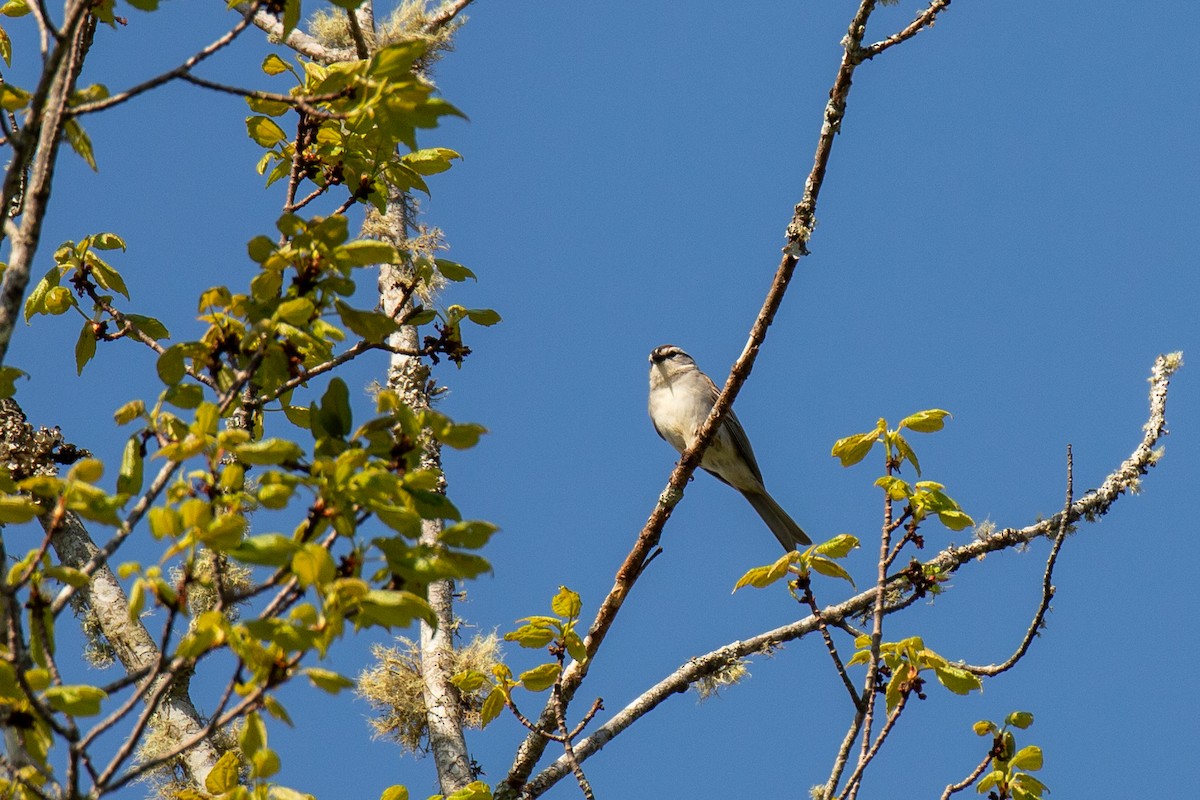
x=1009 y=778
x=906 y=660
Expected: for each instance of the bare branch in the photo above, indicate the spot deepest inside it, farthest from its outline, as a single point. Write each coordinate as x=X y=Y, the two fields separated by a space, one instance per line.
x=446 y=14
x=298 y=40
x=1039 y=616
x=924 y=20
x=158 y=80
x=969 y=780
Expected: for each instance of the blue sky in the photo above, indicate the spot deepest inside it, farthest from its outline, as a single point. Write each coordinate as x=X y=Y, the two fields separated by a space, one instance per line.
x=1006 y=231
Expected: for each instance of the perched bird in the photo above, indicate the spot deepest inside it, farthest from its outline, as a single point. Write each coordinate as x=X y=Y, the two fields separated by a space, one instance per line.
x=681 y=398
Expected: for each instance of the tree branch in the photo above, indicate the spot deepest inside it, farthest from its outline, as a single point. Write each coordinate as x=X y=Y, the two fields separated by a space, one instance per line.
x=297 y=40
x=179 y=72
x=1039 y=616
x=798 y=232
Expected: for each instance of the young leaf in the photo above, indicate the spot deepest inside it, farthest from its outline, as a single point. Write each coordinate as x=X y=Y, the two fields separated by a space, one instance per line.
x=1029 y=757
x=264 y=131
x=1019 y=719
x=224 y=775
x=925 y=421
x=395 y=792
x=854 y=449
x=492 y=706
x=129 y=479
x=830 y=569
x=453 y=271
x=85 y=346
x=328 y=680
x=541 y=678
x=566 y=603
x=80 y=701
x=958 y=680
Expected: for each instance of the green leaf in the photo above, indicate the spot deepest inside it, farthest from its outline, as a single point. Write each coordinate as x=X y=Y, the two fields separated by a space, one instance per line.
x=253 y=736
x=471 y=534
x=396 y=792
x=328 y=680
x=476 y=790
x=129 y=479
x=984 y=727
x=540 y=678
x=268 y=549
x=170 y=365
x=534 y=637
x=224 y=775
x=1029 y=757
x=77 y=137
x=896 y=488
x=372 y=326
x=5 y=47
x=268 y=452
x=453 y=271
x=334 y=414
x=575 y=647
x=839 y=546
x=274 y=65
x=298 y=311
x=313 y=566
x=1019 y=719
x=906 y=452
x=430 y=161
x=78 y=701
x=184 y=395
x=35 y=303
x=149 y=326
x=8 y=380
x=15 y=509
x=955 y=520
x=566 y=603
x=106 y=276
x=958 y=680
x=854 y=449
x=830 y=569
x=483 y=316
x=13 y=98
x=492 y=706
x=85 y=346
x=761 y=577
x=990 y=780
x=366 y=252
x=68 y=575
x=1030 y=784
x=291 y=16
x=394 y=608
x=470 y=680
x=925 y=421
x=107 y=241
x=264 y=130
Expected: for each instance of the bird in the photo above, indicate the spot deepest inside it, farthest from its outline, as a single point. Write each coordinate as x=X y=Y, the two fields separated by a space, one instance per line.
x=681 y=398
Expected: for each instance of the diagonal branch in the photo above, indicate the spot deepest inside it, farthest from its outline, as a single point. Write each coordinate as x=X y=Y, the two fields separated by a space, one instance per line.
x=798 y=232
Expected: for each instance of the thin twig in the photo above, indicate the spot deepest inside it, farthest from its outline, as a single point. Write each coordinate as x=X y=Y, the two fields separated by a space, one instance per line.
x=1048 y=590
x=855 y=779
x=924 y=20
x=446 y=15
x=179 y=72
x=969 y=780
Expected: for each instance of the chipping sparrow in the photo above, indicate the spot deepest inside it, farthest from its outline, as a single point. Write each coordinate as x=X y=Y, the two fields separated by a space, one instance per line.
x=681 y=398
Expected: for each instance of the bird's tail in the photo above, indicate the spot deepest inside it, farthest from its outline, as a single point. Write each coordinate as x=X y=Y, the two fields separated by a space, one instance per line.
x=789 y=534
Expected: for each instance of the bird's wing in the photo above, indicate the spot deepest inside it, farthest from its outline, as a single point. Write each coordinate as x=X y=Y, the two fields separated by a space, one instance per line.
x=740 y=440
